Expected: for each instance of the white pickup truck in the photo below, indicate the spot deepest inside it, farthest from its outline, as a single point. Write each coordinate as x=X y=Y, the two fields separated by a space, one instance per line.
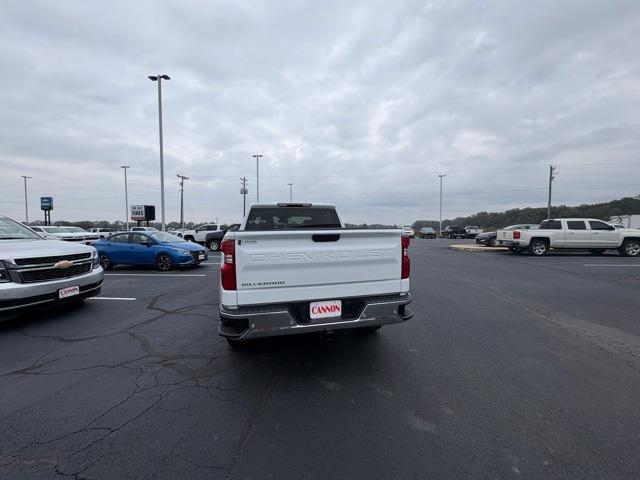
x=293 y=268
x=199 y=235
x=572 y=233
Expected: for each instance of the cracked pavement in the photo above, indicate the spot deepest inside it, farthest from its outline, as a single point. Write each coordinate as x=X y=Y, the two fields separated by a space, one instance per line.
x=512 y=367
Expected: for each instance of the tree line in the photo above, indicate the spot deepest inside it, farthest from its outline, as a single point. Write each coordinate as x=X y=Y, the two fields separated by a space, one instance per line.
x=495 y=220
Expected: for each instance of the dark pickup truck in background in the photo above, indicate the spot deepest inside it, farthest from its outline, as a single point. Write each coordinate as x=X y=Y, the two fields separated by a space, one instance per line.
x=212 y=240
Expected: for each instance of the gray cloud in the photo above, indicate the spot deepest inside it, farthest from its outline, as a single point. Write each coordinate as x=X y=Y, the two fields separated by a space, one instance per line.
x=358 y=103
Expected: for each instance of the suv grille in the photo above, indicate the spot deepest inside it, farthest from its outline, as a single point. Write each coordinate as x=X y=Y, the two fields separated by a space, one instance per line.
x=48 y=260
x=31 y=276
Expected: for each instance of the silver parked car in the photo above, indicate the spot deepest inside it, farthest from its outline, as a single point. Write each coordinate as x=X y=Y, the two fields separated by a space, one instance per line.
x=35 y=271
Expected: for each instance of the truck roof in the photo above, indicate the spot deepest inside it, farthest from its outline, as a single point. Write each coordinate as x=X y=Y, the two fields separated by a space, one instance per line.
x=291 y=204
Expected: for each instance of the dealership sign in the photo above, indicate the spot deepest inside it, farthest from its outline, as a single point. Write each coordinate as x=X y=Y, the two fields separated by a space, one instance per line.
x=46 y=203
x=143 y=213
x=137 y=212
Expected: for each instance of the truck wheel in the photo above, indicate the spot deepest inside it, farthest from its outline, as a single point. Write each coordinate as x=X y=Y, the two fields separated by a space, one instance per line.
x=105 y=262
x=189 y=238
x=630 y=248
x=164 y=262
x=213 y=245
x=493 y=242
x=538 y=248
x=235 y=343
x=597 y=251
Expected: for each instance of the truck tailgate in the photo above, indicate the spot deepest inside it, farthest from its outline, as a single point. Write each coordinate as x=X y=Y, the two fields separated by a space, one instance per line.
x=287 y=266
x=504 y=235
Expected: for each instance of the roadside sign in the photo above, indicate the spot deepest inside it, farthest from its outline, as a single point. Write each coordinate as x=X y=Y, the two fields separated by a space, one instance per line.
x=46 y=203
x=137 y=212
x=143 y=213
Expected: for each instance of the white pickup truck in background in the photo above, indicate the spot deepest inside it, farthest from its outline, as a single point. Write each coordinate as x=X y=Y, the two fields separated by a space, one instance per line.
x=589 y=234
x=292 y=268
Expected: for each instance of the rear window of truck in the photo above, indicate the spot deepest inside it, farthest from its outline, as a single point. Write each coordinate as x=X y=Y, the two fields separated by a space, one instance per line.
x=283 y=218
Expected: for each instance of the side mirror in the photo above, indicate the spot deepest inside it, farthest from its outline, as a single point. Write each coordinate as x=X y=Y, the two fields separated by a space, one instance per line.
x=611 y=227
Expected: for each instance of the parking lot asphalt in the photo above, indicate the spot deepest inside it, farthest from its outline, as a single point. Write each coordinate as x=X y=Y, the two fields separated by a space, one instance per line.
x=513 y=367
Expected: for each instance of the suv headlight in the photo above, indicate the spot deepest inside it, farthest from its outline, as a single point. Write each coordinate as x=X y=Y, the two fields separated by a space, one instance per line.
x=4 y=274
x=95 y=259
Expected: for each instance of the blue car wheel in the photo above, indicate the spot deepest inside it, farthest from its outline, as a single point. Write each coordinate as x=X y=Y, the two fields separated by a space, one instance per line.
x=164 y=262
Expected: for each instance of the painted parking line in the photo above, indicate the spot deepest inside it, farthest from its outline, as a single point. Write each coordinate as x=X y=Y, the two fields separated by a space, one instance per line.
x=154 y=275
x=611 y=265
x=125 y=299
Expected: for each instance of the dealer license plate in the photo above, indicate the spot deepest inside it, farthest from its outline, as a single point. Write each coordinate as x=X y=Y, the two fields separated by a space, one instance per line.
x=326 y=309
x=68 y=292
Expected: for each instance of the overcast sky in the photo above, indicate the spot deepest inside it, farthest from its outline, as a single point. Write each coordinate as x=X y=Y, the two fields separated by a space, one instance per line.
x=360 y=104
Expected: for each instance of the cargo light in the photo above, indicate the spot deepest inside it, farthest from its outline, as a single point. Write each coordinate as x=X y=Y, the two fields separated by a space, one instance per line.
x=406 y=263
x=228 y=266
x=516 y=235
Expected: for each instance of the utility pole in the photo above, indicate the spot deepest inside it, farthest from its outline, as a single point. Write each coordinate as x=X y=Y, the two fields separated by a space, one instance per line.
x=552 y=176
x=182 y=179
x=257 y=157
x=243 y=192
x=26 y=202
x=126 y=197
x=441 y=177
x=159 y=78
x=290 y=192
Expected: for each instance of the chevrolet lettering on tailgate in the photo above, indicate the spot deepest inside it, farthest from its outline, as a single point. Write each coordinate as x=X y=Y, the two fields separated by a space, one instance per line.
x=329 y=256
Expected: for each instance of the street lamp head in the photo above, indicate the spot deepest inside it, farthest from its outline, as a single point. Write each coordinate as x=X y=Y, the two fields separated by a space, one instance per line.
x=153 y=78
x=125 y=166
x=165 y=77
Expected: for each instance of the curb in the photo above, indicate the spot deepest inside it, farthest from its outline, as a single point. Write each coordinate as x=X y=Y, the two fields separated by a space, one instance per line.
x=474 y=248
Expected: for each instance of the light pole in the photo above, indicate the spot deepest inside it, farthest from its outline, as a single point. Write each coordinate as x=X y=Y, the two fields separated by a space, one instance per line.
x=26 y=203
x=290 y=192
x=441 y=177
x=159 y=78
x=257 y=157
x=126 y=196
x=182 y=179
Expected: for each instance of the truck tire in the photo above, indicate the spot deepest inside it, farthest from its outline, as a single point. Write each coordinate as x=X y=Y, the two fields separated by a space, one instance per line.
x=189 y=238
x=493 y=242
x=235 y=343
x=630 y=248
x=538 y=247
x=213 y=245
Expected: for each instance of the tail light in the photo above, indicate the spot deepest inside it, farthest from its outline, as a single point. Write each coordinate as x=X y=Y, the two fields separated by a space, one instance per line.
x=406 y=263
x=228 y=267
x=516 y=235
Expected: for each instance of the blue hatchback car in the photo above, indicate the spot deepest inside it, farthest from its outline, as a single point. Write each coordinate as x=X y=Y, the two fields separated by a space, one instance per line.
x=161 y=249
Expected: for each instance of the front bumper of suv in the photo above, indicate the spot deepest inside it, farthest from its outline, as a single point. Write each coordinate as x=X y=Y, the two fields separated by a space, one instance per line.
x=247 y=323
x=15 y=296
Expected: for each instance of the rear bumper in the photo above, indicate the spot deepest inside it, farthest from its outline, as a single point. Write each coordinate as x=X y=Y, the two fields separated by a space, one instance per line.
x=248 y=323
x=509 y=243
